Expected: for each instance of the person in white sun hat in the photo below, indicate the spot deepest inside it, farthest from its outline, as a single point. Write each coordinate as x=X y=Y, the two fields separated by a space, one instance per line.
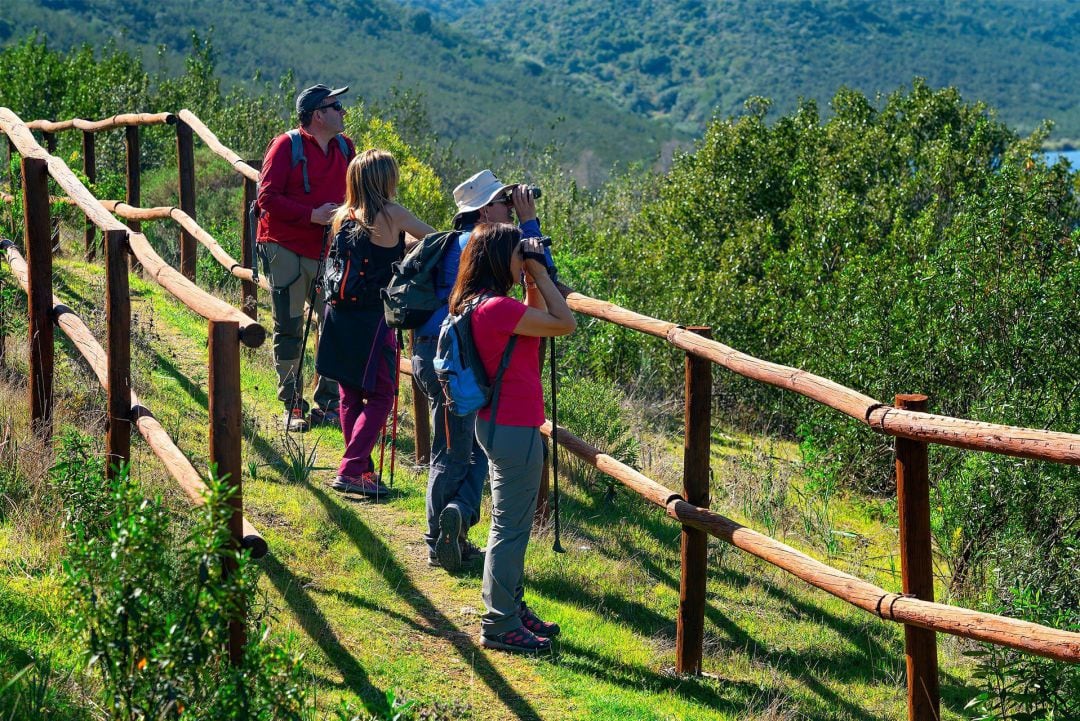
x=458 y=465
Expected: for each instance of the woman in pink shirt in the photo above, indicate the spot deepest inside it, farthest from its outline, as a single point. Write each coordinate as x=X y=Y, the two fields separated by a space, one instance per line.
x=495 y=259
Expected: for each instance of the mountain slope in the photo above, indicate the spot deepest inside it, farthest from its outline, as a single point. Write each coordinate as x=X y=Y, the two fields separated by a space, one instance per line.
x=686 y=59
x=476 y=95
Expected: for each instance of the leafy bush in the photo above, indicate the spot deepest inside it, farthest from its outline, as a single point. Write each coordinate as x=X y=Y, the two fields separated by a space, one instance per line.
x=1022 y=687
x=920 y=246
x=592 y=410
x=155 y=617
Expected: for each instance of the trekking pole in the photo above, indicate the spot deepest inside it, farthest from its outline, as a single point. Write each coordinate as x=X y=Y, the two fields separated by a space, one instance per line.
x=298 y=388
x=557 y=546
x=397 y=392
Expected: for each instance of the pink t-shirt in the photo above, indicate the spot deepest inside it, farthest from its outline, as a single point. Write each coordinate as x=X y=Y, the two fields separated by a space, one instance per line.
x=521 y=401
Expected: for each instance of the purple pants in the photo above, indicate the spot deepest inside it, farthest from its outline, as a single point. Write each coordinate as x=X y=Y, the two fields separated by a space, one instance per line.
x=363 y=413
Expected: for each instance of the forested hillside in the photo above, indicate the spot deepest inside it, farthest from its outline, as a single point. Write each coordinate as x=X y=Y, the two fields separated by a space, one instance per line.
x=686 y=60
x=475 y=95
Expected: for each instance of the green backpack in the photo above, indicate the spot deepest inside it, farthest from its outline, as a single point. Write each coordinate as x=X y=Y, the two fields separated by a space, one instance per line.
x=410 y=299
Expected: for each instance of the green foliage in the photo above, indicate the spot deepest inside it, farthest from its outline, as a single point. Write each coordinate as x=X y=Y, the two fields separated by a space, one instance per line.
x=593 y=411
x=922 y=246
x=1021 y=687
x=463 y=80
x=419 y=188
x=688 y=61
x=155 y=616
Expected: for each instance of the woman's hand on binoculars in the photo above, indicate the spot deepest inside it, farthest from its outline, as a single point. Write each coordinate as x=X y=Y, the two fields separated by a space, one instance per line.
x=524 y=203
x=535 y=262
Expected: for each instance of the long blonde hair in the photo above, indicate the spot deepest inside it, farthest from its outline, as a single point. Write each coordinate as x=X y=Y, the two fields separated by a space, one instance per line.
x=370 y=184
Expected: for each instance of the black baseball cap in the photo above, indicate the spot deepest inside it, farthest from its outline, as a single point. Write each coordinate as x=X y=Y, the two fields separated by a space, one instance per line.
x=311 y=98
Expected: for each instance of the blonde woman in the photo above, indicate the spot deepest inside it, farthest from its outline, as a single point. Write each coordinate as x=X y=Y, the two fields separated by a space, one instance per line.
x=356 y=347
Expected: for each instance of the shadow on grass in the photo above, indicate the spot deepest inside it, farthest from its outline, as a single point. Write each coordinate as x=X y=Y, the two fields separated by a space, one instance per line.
x=382 y=559
x=699 y=689
x=163 y=364
x=867 y=643
x=317 y=627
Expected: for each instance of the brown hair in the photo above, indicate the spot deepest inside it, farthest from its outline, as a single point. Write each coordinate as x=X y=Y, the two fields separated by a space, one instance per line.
x=485 y=263
x=370 y=184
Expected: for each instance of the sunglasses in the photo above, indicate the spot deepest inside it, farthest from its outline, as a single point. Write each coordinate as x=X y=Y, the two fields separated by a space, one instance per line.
x=335 y=105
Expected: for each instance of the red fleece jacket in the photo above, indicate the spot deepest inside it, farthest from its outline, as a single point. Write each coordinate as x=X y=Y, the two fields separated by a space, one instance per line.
x=286 y=208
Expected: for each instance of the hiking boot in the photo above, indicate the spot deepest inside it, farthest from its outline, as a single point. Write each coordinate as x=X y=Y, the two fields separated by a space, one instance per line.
x=448 y=545
x=469 y=555
x=321 y=417
x=519 y=640
x=471 y=552
x=537 y=626
x=366 y=484
x=294 y=421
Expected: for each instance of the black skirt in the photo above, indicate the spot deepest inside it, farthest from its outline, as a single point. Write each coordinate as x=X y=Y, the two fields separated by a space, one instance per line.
x=351 y=344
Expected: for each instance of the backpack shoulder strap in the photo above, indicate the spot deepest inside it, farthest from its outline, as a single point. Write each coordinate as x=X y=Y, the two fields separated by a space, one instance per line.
x=345 y=150
x=298 y=156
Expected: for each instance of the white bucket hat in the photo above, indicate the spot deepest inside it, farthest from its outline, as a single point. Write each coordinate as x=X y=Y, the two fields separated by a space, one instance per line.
x=477 y=191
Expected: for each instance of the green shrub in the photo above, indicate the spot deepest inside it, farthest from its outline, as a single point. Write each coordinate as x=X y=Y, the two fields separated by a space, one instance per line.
x=154 y=612
x=1022 y=687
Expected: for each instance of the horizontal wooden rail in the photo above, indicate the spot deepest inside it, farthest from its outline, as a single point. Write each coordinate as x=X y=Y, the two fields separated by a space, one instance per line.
x=94 y=126
x=1032 y=443
x=976 y=625
x=156 y=437
x=214 y=144
x=164 y=212
x=251 y=333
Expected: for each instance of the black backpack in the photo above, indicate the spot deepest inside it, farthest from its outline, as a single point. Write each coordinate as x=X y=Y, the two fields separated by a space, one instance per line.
x=410 y=298
x=345 y=278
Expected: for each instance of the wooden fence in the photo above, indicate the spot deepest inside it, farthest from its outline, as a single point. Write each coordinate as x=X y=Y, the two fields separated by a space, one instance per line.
x=907 y=419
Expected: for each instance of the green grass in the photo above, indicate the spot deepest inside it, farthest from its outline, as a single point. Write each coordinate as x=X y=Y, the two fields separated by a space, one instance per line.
x=346 y=581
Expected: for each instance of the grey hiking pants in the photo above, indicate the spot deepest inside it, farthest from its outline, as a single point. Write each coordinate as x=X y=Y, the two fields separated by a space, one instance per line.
x=291 y=277
x=517 y=459
x=458 y=465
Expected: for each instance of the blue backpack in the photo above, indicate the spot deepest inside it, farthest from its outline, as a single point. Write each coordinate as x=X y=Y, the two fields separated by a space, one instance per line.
x=460 y=371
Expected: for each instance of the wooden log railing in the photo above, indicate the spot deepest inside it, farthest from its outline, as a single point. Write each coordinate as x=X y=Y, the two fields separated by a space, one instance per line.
x=151 y=430
x=251 y=333
x=188 y=223
x=915 y=425
x=94 y=126
x=211 y=140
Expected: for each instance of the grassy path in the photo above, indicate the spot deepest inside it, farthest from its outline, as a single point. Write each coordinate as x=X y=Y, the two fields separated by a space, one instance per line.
x=346 y=581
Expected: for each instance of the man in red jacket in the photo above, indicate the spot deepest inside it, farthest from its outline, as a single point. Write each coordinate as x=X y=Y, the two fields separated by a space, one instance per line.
x=301 y=185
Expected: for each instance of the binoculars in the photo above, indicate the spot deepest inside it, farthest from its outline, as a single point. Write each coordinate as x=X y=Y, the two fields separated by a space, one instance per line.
x=532 y=190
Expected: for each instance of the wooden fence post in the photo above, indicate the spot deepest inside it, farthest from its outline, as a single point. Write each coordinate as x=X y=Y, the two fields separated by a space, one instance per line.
x=90 y=170
x=249 y=291
x=118 y=327
x=690 y=627
x=38 y=244
x=225 y=438
x=421 y=416
x=54 y=223
x=185 y=162
x=917 y=566
x=134 y=189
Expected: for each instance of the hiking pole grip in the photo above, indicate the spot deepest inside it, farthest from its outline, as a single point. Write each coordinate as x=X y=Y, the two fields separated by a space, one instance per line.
x=557 y=546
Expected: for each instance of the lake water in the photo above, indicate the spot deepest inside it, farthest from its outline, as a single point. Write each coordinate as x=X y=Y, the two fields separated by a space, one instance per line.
x=1073 y=156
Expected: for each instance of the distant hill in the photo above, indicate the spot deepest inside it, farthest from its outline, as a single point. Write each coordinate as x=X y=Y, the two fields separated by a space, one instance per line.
x=683 y=60
x=475 y=93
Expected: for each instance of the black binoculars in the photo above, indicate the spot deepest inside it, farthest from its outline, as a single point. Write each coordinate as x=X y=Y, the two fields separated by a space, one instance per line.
x=532 y=190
